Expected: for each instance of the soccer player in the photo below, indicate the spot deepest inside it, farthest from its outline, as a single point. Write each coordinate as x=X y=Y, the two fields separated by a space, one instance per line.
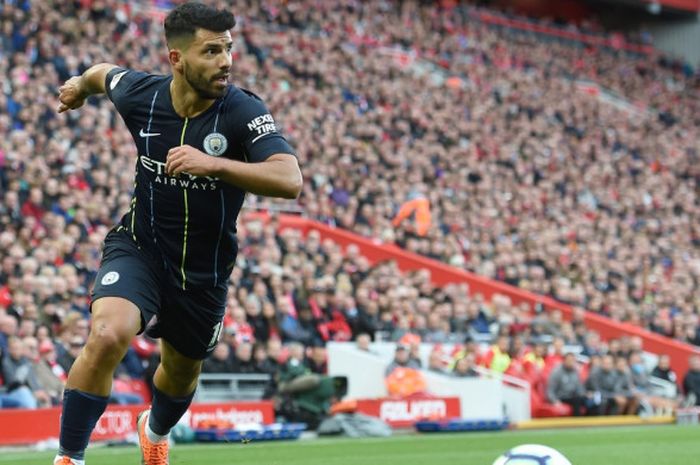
x=202 y=144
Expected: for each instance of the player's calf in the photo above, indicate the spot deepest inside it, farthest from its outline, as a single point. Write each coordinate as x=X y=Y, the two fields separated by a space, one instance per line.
x=79 y=417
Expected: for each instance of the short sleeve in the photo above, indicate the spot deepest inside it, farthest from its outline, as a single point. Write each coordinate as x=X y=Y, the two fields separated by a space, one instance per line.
x=123 y=87
x=258 y=132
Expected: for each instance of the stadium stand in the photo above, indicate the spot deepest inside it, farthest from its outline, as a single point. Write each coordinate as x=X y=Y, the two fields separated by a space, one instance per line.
x=557 y=164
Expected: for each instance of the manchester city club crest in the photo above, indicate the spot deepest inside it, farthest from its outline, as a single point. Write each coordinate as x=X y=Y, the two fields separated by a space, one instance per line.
x=215 y=144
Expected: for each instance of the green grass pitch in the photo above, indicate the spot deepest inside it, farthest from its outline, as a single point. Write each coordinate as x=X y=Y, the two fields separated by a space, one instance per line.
x=652 y=445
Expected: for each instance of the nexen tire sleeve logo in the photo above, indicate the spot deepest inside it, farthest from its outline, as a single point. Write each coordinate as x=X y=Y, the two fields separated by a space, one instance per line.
x=261 y=126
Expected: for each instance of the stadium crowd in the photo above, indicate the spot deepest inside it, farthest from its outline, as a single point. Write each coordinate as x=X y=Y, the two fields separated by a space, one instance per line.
x=525 y=178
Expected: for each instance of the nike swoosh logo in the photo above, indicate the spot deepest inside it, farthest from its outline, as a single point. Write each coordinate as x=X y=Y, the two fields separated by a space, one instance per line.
x=148 y=134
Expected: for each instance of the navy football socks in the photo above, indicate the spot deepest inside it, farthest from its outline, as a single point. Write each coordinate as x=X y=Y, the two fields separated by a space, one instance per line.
x=166 y=411
x=79 y=417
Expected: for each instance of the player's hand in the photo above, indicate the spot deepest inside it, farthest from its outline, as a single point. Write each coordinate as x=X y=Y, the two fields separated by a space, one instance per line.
x=187 y=159
x=71 y=94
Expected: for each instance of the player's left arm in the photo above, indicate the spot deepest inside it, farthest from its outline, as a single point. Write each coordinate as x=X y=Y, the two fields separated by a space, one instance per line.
x=277 y=176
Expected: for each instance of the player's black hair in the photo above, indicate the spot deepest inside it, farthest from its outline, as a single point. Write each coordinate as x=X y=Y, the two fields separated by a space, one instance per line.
x=184 y=20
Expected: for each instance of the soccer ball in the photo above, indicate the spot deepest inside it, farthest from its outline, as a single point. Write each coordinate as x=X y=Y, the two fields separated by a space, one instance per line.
x=532 y=454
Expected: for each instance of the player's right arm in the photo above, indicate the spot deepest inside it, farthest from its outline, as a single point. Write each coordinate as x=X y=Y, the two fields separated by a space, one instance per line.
x=74 y=91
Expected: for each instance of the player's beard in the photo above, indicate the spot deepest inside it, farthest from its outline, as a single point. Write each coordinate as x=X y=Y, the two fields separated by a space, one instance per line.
x=204 y=87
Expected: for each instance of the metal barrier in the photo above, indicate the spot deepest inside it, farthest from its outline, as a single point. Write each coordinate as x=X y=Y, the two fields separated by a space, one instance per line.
x=218 y=387
x=688 y=416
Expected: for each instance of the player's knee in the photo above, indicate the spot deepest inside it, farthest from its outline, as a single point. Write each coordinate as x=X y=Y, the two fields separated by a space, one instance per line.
x=106 y=345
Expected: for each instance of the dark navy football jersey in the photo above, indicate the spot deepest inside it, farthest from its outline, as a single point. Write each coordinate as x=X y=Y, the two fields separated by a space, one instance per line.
x=188 y=221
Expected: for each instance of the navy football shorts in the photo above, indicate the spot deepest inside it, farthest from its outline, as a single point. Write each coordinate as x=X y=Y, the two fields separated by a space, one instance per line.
x=189 y=320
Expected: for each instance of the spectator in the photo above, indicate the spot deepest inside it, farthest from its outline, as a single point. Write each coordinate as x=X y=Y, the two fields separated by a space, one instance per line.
x=68 y=356
x=43 y=334
x=74 y=327
x=130 y=366
x=414 y=357
x=417 y=204
x=401 y=359
x=367 y=319
x=477 y=320
x=27 y=327
x=497 y=358
x=691 y=381
x=565 y=386
x=237 y=327
x=465 y=367
x=518 y=348
x=43 y=358
x=220 y=360
x=297 y=328
x=605 y=382
x=294 y=367
x=556 y=354
x=47 y=352
x=436 y=361
x=20 y=378
x=644 y=390
x=625 y=386
x=363 y=341
x=534 y=360
x=257 y=320
x=270 y=316
x=317 y=360
x=592 y=344
x=274 y=356
x=243 y=359
x=8 y=329
x=663 y=370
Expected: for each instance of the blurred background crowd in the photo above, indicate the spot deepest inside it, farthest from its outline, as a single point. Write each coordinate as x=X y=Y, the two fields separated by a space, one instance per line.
x=415 y=124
